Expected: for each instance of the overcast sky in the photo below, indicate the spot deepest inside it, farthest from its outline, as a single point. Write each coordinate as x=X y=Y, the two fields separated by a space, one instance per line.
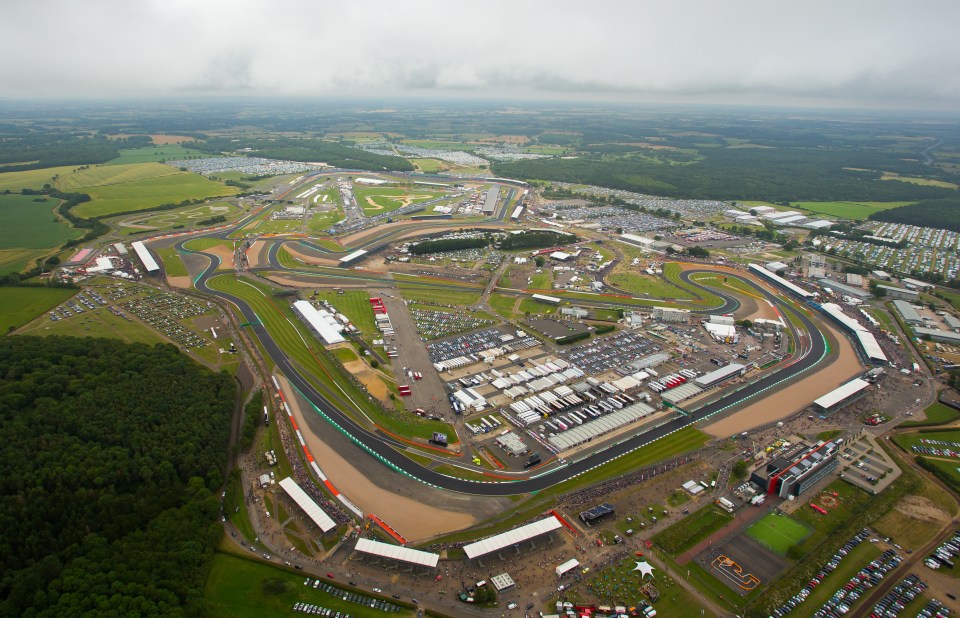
x=870 y=52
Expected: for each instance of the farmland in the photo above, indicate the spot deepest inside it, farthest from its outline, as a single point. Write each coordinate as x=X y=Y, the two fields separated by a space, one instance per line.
x=32 y=179
x=101 y=175
x=20 y=305
x=148 y=154
x=846 y=210
x=32 y=229
x=149 y=193
x=187 y=216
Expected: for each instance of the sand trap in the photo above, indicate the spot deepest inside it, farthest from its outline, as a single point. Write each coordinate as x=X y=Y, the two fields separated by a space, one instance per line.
x=309 y=259
x=413 y=518
x=225 y=254
x=255 y=254
x=370 y=379
x=180 y=282
x=794 y=397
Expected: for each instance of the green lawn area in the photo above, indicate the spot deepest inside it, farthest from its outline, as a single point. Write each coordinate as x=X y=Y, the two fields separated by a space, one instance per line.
x=238 y=587
x=850 y=500
x=620 y=584
x=542 y=281
x=345 y=355
x=777 y=532
x=951 y=297
x=187 y=216
x=19 y=305
x=846 y=210
x=936 y=414
x=148 y=154
x=533 y=306
x=429 y=165
x=279 y=226
x=883 y=317
x=355 y=304
x=321 y=222
x=690 y=530
x=636 y=283
x=172 y=264
x=948 y=469
x=98 y=323
x=502 y=305
x=199 y=244
x=102 y=175
x=412 y=291
x=905 y=441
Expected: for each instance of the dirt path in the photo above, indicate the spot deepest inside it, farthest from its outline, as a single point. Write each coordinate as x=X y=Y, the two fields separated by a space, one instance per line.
x=794 y=397
x=182 y=283
x=416 y=510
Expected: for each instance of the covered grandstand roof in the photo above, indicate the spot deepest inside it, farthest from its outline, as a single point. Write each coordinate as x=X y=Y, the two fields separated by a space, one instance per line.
x=605 y=424
x=512 y=537
x=324 y=329
x=353 y=256
x=766 y=274
x=305 y=502
x=719 y=375
x=840 y=394
x=395 y=552
x=144 y=254
x=870 y=346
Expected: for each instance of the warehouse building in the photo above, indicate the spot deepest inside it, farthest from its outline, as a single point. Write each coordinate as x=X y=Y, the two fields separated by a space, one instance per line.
x=720 y=375
x=881 y=274
x=840 y=397
x=916 y=284
x=935 y=334
x=951 y=322
x=797 y=470
x=895 y=292
x=907 y=312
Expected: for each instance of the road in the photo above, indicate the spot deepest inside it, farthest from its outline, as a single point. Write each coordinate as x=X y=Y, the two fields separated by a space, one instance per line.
x=379 y=445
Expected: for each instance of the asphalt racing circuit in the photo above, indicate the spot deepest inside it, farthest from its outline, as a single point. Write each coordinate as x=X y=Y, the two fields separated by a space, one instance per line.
x=810 y=350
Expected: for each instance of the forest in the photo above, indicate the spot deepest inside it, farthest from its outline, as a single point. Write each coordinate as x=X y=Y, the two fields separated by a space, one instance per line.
x=536 y=240
x=112 y=456
x=941 y=213
x=307 y=150
x=21 y=149
x=447 y=244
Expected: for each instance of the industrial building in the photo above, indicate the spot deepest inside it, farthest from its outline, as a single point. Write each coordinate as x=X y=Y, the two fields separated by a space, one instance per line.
x=796 y=470
x=916 y=284
x=775 y=267
x=780 y=281
x=323 y=323
x=880 y=274
x=951 y=322
x=722 y=329
x=840 y=397
x=574 y=312
x=673 y=316
x=935 y=334
x=720 y=375
x=844 y=289
x=907 y=312
x=854 y=279
x=895 y=292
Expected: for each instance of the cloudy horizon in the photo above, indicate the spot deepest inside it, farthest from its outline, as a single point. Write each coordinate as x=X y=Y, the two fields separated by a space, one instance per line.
x=858 y=53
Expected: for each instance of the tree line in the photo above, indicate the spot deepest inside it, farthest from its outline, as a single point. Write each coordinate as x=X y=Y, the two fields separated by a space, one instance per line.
x=111 y=456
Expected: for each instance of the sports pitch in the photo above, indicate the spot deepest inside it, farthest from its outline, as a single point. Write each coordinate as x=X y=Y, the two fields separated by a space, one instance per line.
x=778 y=532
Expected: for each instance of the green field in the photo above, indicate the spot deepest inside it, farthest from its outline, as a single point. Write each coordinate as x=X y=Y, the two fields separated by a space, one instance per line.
x=411 y=291
x=238 y=587
x=429 y=165
x=173 y=266
x=850 y=500
x=20 y=305
x=936 y=414
x=102 y=175
x=356 y=306
x=148 y=154
x=689 y=531
x=388 y=199
x=149 y=193
x=97 y=323
x=635 y=283
x=532 y=306
x=31 y=230
x=542 y=281
x=502 y=305
x=846 y=210
x=199 y=244
x=613 y=585
x=32 y=179
x=777 y=532
x=905 y=441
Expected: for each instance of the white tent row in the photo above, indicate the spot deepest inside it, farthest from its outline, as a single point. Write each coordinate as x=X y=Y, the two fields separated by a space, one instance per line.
x=512 y=537
x=395 y=552
x=604 y=424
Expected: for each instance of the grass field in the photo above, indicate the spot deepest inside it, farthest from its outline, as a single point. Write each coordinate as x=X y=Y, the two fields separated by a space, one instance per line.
x=32 y=179
x=237 y=587
x=172 y=264
x=31 y=230
x=936 y=414
x=355 y=304
x=148 y=154
x=635 y=283
x=926 y=182
x=613 y=585
x=689 y=531
x=97 y=323
x=542 y=281
x=20 y=305
x=149 y=193
x=905 y=441
x=532 y=306
x=429 y=165
x=199 y=244
x=777 y=532
x=847 y=210
x=388 y=199
x=102 y=175
x=502 y=305
x=850 y=500
x=411 y=291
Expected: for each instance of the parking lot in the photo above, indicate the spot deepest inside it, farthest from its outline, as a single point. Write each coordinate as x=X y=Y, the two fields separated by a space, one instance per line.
x=436 y=324
x=163 y=311
x=474 y=343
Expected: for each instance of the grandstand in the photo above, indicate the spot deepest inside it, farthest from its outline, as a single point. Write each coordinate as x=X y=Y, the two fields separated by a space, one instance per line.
x=305 y=502
x=397 y=553
x=781 y=282
x=512 y=538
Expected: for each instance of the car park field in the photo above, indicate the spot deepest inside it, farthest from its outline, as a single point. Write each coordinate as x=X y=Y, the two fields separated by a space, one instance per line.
x=846 y=210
